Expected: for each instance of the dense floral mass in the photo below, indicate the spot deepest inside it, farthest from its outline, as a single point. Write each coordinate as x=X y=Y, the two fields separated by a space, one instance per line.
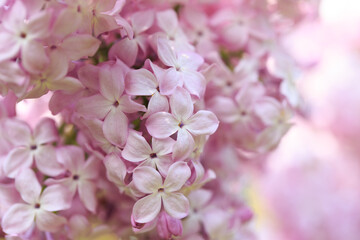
x=154 y=104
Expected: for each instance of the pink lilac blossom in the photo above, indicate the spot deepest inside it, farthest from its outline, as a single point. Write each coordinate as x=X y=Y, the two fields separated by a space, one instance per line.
x=158 y=104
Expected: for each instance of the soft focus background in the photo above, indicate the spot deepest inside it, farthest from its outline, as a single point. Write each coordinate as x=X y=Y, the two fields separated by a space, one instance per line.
x=310 y=186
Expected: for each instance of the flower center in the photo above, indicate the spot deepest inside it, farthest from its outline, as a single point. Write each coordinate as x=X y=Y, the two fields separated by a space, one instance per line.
x=76 y=177
x=37 y=205
x=161 y=190
x=23 y=35
x=181 y=124
x=153 y=155
x=116 y=104
x=33 y=147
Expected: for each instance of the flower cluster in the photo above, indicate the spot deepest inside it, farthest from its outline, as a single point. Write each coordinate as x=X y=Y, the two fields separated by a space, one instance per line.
x=148 y=95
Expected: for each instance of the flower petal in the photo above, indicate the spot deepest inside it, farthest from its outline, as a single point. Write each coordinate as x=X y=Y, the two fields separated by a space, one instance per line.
x=147 y=208
x=116 y=127
x=91 y=168
x=55 y=197
x=45 y=131
x=9 y=47
x=176 y=205
x=87 y=190
x=162 y=125
x=142 y=20
x=48 y=221
x=169 y=81
x=38 y=26
x=17 y=159
x=18 y=218
x=178 y=174
x=147 y=179
x=157 y=103
x=127 y=105
x=34 y=57
x=115 y=169
x=163 y=164
x=94 y=107
x=141 y=82
x=202 y=123
x=194 y=82
x=28 y=186
x=72 y=157
x=110 y=88
x=184 y=145
x=225 y=109
x=166 y=53
x=136 y=148
x=20 y=134
x=162 y=146
x=80 y=45
x=126 y=50
x=46 y=161
x=181 y=104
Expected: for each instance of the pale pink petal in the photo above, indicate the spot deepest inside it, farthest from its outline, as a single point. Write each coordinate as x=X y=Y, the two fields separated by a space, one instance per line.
x=163 y=164
x=162 y=125
x=94 y=107
x=89 y=76
x=116 y=127
x=136 y=148
x=225 y=109
x=34 y=57
x=15 y=16
x=49 y=222
x=141 y=82
x=126 y=50
x=194 y=82
x=72 y=157
x=10 y=72
x=80 y=45
x=67 y=84
x=20 y=134
x=184 y=145
x=147 y=179
x=66 y=22
x=176 y=205
x=39 y=25
x=162 y=146
x=104 y=23
x=55 y=198
x=142 y=20
x=169 y=81
x=91 y=168
x=9 y=46
x=45 y=131
x=18 y=218
x=46 y=161
x=17 y=159
x=110 y=87
x=28 y=186
x=181 y=104
x=127 y=105
x=202 y=123
x=157 y=103
x=178 y=174
x=147 y=208
x=167 y=21
x=190 y=60
x=87 y=190
x=115 y=168
x=166 y=53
